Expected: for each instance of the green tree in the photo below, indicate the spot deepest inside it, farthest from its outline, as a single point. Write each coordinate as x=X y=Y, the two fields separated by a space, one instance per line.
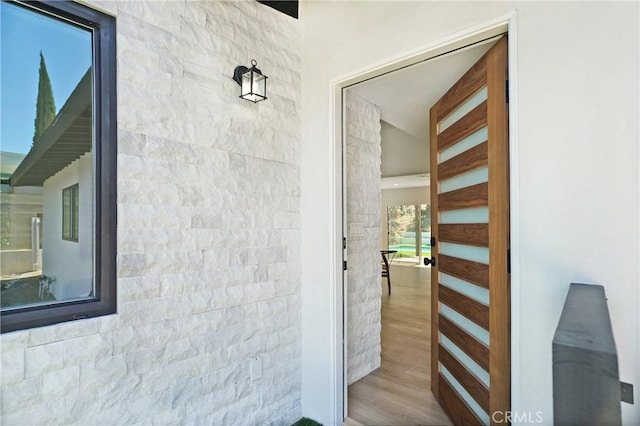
x=425 y=217
x=45 y=105
x=401 y=220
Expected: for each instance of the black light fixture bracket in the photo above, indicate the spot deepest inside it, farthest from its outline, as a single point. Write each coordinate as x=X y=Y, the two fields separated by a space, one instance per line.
x=237 y=73
x=241 y=69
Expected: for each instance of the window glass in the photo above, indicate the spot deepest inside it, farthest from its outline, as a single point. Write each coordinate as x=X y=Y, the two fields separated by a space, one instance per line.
x=402 y=230
x=50 y=155
x=70 y=213
x=47 y=131
x=409 y=228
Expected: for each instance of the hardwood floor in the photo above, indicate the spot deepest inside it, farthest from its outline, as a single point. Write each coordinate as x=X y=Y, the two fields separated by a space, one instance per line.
x=398 y=393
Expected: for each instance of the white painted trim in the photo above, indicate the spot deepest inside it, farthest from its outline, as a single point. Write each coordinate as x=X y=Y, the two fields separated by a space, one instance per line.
x=514 y=210
x=336 y=348
x=430 y=50
x=345 y=314
x=336 y=181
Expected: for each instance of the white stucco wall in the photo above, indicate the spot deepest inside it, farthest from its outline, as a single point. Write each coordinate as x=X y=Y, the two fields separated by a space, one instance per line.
x=575 y=171
x=208 y=249
x=69 y=262
x=363 y=221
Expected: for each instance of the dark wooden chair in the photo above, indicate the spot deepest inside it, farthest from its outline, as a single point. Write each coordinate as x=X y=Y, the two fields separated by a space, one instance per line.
x=387 y=258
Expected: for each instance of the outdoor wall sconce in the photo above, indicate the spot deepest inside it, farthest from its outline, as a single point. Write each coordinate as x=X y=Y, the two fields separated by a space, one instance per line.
x=253 y=85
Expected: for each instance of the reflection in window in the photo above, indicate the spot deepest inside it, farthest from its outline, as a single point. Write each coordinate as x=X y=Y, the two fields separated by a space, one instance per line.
x=45 y=59
x=48 y=156
x=70 y=213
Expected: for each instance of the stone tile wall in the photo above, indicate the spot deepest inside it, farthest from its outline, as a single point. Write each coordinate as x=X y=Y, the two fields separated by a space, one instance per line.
x=363 y=149
x=208 y=236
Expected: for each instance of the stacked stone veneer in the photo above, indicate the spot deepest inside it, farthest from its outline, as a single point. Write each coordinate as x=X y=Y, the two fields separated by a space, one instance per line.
x=363 y=236
x=208 y=236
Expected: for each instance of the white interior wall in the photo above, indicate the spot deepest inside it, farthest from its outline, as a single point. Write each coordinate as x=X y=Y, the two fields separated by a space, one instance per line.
x=402 y=153
x=395 y=197
x=575 y=171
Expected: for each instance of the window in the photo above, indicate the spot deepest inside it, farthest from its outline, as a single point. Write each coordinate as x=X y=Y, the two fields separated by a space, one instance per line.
x=58 y=163
x=409 y=231
x=70 y=213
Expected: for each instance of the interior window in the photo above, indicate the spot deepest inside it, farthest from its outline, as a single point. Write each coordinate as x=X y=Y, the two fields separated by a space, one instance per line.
x=409 y=231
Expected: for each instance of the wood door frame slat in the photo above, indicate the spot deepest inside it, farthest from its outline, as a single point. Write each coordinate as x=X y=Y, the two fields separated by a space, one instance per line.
x=471 y=159
x=472 y=234
x=475 y=349
x=472 y=121
x=433 y=152
x=499 y=294
x=454 y=405
x=464 y=198
x=468 y=380
x=467 y=86
x=465 y=306
x=468 y=270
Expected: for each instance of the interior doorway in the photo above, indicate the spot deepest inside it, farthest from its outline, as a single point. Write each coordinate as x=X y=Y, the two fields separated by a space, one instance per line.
x=398 y=391
x=407 y=114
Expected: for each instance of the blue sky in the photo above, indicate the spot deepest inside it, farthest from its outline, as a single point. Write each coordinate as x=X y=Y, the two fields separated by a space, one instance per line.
x=67 y=53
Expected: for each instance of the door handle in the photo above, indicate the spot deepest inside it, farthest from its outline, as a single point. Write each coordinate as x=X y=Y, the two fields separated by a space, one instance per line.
x=430 y=261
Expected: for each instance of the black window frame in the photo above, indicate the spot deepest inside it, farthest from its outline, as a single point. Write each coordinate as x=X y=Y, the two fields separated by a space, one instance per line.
x=103 y=301
x=73 y=212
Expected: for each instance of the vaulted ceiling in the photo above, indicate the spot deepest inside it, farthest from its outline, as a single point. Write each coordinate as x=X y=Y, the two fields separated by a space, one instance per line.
x=405 y=96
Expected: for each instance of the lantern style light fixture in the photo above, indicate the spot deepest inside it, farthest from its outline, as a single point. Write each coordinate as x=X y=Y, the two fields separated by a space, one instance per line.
x=253 y=84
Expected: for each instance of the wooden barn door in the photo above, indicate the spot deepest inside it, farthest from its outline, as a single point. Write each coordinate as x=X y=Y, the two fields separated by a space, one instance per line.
x=470 y=229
